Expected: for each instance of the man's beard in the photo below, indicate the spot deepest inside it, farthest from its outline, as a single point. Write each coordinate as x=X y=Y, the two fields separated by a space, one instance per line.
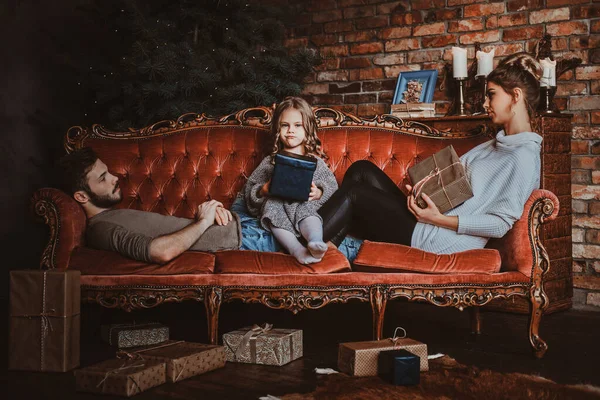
x=105 y=201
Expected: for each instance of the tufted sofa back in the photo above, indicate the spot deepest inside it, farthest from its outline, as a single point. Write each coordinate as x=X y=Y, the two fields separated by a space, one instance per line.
x=173 y=170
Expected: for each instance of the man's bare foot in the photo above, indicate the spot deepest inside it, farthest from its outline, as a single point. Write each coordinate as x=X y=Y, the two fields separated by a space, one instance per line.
x=317 y=249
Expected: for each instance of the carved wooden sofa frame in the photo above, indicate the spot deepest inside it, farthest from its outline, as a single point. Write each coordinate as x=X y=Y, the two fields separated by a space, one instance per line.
x=297 y=298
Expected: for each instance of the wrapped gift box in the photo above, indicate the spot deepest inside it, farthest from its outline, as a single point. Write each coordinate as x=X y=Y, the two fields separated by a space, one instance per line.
x=259 y=346
x=361 y=358
x=44 y=320
x=133 y=335
x=292 y=176
x=399 y=367
x=441 y=177
x=184 y=359
x=121 y=377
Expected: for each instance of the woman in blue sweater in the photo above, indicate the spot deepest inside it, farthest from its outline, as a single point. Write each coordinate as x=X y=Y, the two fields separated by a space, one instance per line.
x=503 y=172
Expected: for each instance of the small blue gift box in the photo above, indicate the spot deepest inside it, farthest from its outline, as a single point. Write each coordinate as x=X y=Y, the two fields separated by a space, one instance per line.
x=399 y=367
x=292 y=176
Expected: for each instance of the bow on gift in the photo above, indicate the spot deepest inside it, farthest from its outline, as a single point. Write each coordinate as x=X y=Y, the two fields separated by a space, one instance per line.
x=396 y=338
x=131 y=361
x=252 y=334
x=416 y=191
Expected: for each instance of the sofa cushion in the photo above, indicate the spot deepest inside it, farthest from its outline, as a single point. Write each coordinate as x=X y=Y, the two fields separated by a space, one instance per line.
x=254 y=262
x=389 y=257
x=100 y=262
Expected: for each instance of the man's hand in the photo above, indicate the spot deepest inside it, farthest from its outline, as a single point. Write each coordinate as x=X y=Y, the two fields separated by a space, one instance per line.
x=430 y=215
x=223 y=216
x=315 y=192
x=264 y=190
x=207 y=211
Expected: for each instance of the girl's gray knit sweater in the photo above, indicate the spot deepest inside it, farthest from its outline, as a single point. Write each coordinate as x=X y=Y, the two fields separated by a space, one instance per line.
x=503 y=172
x=286 y=214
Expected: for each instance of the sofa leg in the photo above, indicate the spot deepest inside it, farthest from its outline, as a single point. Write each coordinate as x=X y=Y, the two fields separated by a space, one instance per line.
x=537 y=307
x=475 y=320
x=378 y=299
x=212 y=301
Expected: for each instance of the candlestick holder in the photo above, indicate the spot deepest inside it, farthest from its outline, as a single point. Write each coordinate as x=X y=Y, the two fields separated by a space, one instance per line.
x=479 y=94
x=546 y=105
x=460 y=107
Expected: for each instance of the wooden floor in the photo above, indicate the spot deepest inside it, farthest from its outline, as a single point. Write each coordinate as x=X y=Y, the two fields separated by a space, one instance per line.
x=572 y=336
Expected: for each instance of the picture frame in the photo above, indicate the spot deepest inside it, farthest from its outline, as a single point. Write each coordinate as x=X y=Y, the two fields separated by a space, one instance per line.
x=425 y=79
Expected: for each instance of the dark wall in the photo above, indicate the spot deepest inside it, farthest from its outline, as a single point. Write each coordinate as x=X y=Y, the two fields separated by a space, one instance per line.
x=39 y=103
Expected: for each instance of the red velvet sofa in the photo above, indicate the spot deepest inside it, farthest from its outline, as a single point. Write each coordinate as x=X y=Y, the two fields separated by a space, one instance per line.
x=172 y=166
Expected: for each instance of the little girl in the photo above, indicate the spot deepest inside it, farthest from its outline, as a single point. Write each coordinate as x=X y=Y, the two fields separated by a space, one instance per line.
x=295 y=130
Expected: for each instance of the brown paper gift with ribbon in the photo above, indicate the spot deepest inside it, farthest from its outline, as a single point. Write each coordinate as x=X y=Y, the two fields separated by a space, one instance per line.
x=441 y=177
x=183 y=359
x=44 y=320
x=121 y=377
x=263 y=345
x=361 y=358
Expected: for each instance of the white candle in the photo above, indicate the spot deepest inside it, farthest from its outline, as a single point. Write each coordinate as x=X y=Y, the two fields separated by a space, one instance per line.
x=459 y=62
x=485 y=62
x=549 y=75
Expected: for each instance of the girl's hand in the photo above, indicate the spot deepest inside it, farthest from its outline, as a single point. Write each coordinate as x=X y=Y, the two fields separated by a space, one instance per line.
x=430 y=215
x=264 y=190
x=315 y=192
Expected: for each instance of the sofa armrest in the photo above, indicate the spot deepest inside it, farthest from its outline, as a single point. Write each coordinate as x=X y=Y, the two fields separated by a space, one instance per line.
x=521 y=248
x=67 y=223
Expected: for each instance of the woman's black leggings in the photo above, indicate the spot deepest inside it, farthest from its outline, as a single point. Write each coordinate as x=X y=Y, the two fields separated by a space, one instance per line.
x=369 y=204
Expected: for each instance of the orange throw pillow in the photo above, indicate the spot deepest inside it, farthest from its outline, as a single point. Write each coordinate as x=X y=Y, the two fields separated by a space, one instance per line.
x=390 y=257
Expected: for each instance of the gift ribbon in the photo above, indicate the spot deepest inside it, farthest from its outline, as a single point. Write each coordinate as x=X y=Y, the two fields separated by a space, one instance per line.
x=46 y=322
x=395 y=339
x=434 y=172
x=122 y=368
x=250 y=338
x=158 y=347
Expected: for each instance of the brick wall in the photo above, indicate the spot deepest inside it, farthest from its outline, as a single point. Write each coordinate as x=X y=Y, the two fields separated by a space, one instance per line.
x=366 y=43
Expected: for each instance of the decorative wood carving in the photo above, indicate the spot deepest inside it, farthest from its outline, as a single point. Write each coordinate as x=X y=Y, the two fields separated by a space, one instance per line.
x=48 y=212
x=378 y=297
x=458 y=296
x=541 y=210
x=214 y=297
x=259 y=117
x=137 y=297
x=295 y=299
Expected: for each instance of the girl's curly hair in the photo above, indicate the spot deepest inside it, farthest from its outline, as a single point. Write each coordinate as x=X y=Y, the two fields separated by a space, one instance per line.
x=312 y=145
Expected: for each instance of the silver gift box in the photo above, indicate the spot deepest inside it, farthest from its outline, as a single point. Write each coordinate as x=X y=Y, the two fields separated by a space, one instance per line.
x=132 y=335
x=273 y=347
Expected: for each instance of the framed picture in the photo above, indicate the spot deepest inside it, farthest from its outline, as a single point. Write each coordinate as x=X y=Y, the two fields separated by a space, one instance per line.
x=415 y=86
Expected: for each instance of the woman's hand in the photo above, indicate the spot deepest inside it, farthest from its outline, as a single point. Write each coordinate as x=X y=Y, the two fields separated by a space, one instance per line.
x=315 y=192
x=430 y=215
